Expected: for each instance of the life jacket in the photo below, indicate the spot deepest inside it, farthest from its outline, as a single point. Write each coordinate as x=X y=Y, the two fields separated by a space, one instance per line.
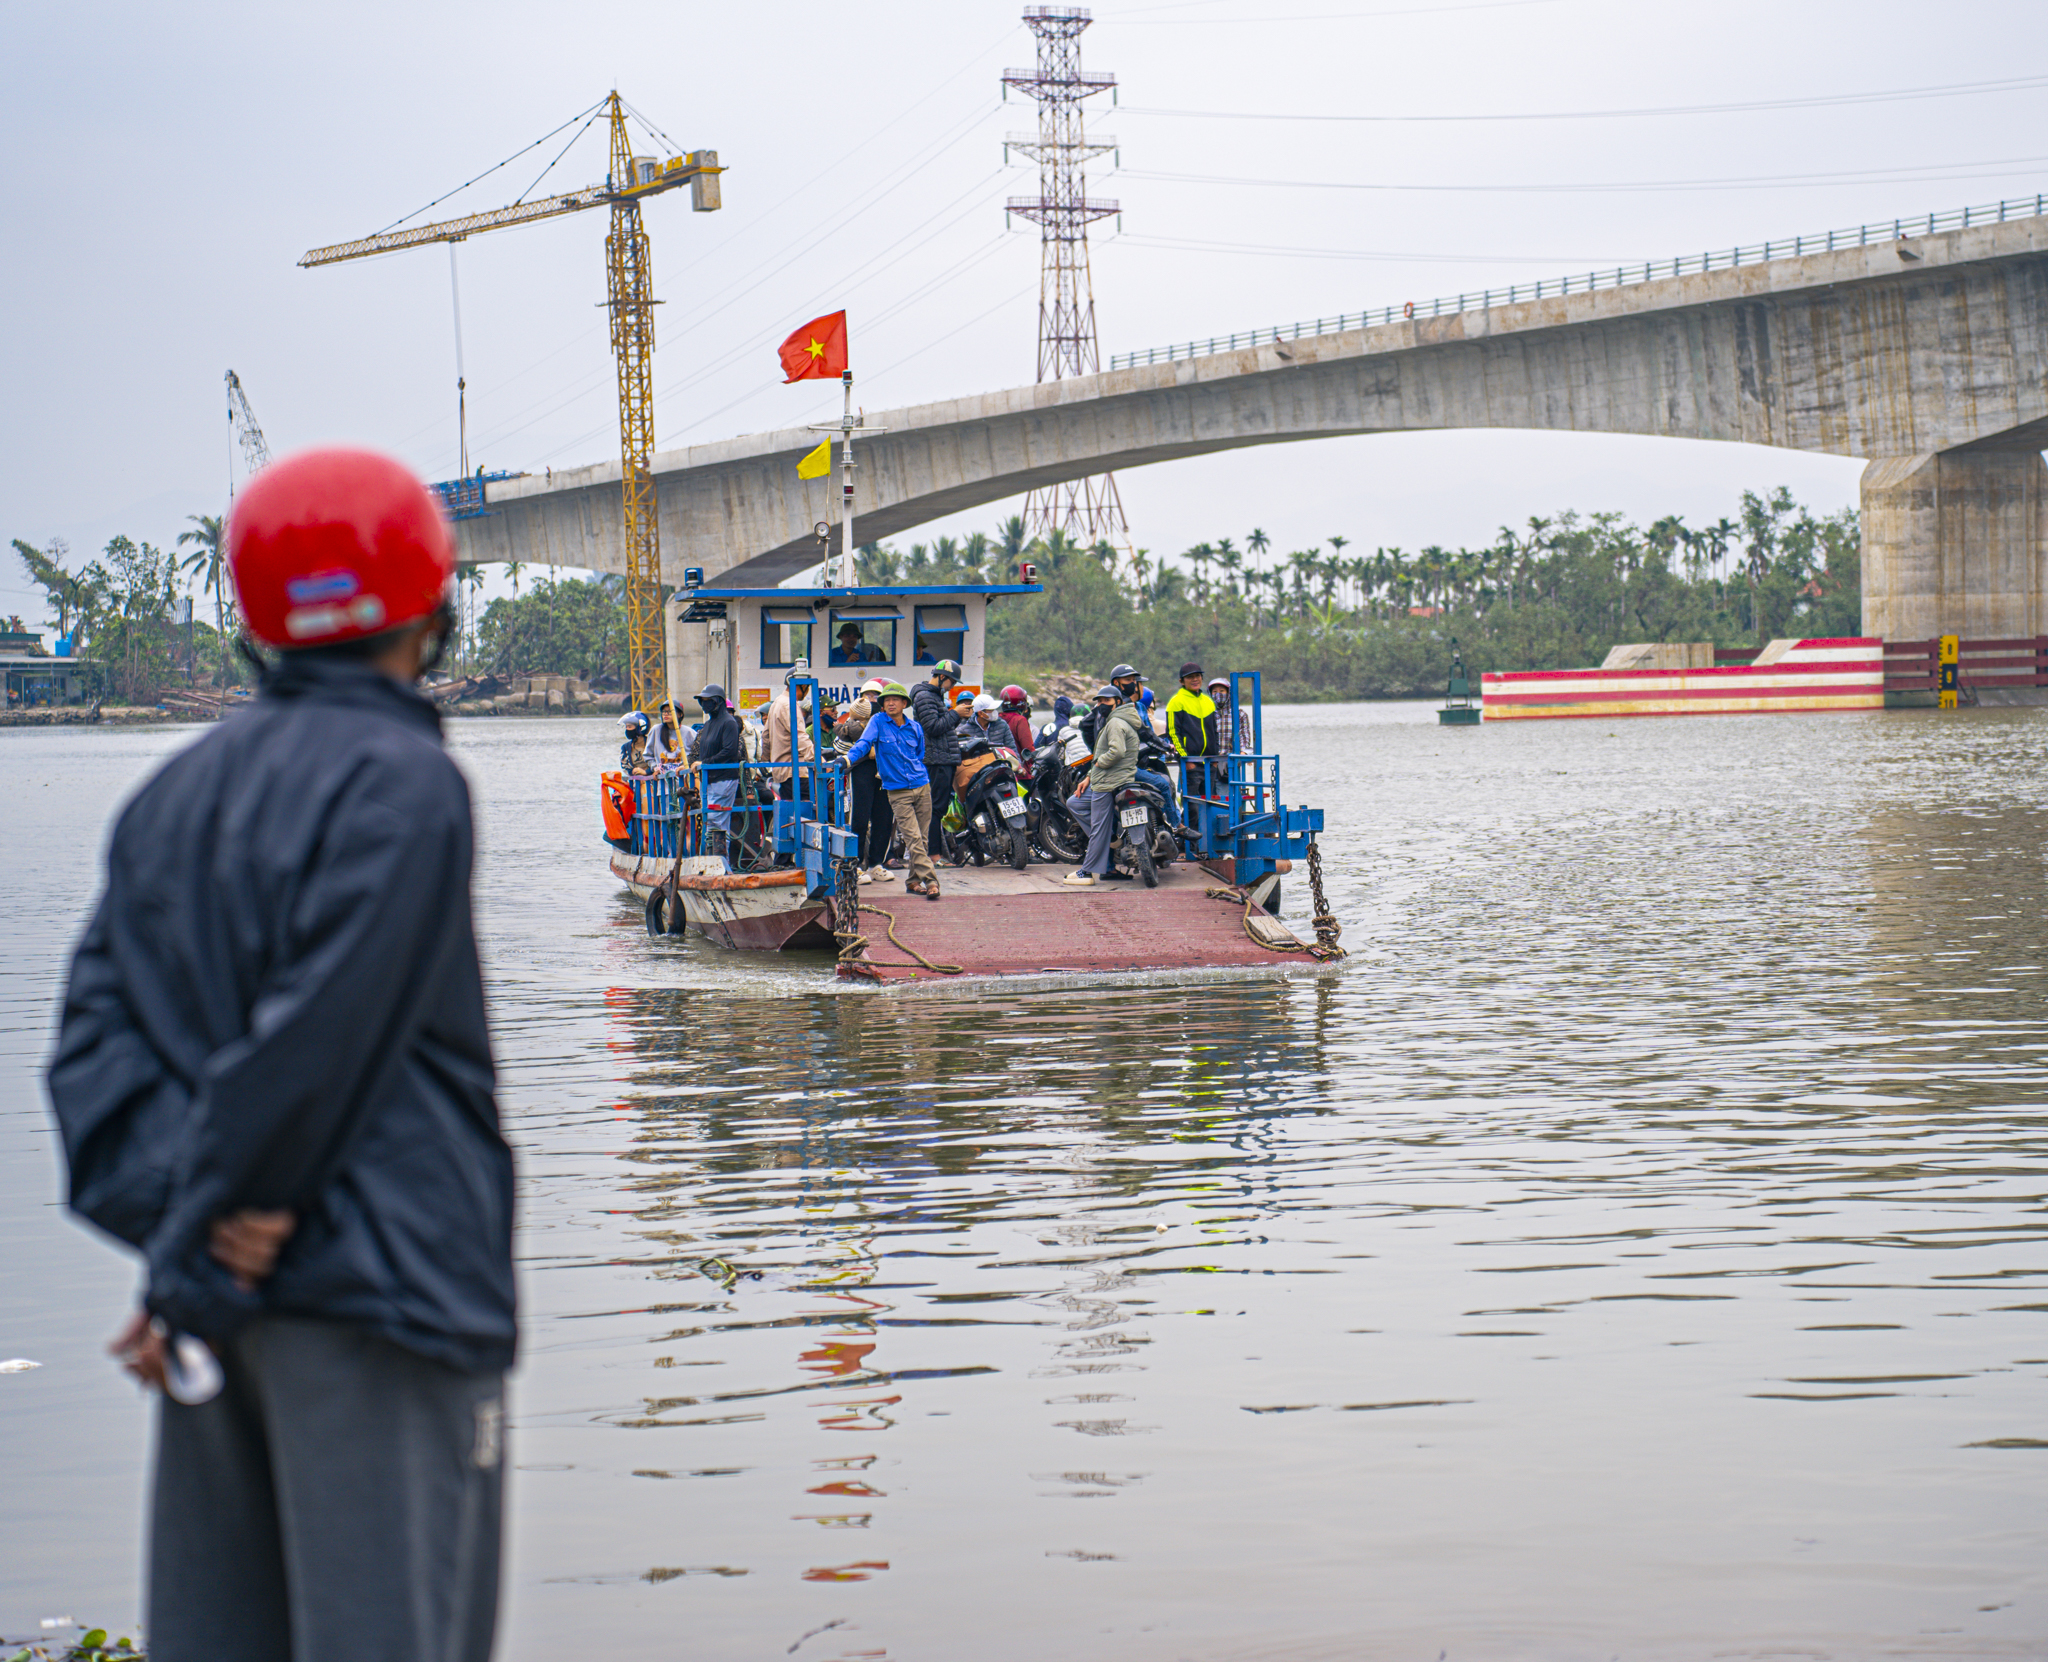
x=615 y=796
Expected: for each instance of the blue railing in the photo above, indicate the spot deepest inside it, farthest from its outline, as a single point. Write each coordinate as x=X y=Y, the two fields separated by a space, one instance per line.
x=669 y=820
x=464 y=498
x=1240 y=816
x=1621 y=276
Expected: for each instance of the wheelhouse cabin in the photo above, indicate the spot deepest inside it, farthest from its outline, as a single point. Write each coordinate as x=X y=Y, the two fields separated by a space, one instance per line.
x=847 y=636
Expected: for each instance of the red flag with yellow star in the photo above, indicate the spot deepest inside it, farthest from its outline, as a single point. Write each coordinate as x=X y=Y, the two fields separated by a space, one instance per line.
x=817 y=351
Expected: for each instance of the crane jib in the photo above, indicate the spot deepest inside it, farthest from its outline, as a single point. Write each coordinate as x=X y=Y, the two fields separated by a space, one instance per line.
x=520 y=213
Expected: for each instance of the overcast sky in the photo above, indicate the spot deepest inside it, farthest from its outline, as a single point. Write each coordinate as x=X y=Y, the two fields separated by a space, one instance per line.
x=167 y=165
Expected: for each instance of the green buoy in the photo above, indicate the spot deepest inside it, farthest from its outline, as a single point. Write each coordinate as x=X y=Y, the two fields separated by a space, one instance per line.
x=1458 y=710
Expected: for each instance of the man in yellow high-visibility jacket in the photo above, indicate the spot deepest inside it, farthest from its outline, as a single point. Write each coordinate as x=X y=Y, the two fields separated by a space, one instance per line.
x=1191 y=725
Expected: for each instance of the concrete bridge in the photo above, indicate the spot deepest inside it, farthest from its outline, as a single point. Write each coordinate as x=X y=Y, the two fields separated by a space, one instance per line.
x=1924 y=355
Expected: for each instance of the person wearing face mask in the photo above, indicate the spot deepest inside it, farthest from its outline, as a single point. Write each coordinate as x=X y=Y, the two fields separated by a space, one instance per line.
x=718 y=751
x=1094 y=800
x=870 y=818
x=986 y=721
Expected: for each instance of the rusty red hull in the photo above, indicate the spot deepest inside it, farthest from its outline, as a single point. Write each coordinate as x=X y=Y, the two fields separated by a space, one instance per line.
x=989 y=921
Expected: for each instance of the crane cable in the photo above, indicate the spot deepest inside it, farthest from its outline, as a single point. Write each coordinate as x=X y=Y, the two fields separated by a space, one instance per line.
x=487 y=172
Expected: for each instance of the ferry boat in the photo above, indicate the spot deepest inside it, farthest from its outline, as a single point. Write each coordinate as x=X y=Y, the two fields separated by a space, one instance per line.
x=1684 y=679
x=1213 y=908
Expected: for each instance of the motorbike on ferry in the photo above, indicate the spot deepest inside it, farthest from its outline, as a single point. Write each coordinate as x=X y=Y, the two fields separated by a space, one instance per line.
x=992 y=807
x=1144 y=839
x=1056 y=768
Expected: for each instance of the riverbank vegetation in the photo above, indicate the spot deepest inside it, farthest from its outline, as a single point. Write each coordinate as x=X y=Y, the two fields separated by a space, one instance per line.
x=1332 y=621
x=1329 y=621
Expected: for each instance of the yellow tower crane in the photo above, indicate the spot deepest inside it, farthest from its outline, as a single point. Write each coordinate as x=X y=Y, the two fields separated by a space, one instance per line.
x=631 y=302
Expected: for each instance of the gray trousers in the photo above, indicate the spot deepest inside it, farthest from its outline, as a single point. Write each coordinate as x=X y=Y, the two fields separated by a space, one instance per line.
x=341 y=1500
x=1098 y=808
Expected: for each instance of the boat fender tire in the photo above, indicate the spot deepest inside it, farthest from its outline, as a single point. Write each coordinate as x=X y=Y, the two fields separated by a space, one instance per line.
x=657 y=915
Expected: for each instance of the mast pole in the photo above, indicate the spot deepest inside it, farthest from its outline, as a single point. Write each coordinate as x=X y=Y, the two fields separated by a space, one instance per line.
x=846 y=567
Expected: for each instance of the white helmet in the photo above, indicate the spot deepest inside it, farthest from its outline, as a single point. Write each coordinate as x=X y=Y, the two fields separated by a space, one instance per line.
x=872 y=685
x=985 y=704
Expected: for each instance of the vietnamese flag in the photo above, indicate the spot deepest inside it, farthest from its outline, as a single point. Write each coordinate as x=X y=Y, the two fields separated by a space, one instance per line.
x=817 y=351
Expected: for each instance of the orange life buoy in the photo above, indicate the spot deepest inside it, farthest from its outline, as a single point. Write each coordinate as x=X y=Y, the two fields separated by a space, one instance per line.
x=616 y=798
x=1408 y=310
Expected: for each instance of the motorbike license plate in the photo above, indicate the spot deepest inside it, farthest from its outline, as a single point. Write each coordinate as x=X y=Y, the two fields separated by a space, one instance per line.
x=1011 y=807
x=1134 y=816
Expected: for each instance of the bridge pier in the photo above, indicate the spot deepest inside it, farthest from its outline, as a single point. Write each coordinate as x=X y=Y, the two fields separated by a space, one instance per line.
x=1954 y=544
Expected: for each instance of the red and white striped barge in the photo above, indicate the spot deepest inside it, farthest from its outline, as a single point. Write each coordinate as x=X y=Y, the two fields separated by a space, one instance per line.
x=1787 y=677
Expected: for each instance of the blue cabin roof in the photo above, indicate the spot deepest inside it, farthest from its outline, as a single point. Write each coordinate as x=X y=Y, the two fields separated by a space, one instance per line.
x=873 y=591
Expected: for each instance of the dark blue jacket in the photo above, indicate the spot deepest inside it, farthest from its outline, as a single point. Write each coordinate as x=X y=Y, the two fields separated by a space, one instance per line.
x=718 y=741
x=898 y=751
x=277 y=1004
x=933 y=711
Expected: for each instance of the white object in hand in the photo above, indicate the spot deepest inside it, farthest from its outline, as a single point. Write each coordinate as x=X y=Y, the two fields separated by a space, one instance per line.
x=192 y=1373
x=18 y=1364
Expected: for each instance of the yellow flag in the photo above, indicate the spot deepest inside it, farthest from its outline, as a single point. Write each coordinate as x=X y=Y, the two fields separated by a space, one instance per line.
x=818 y=463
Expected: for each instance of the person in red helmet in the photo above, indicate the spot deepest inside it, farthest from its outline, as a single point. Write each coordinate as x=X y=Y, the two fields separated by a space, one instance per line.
x=273 y=1080
x=1016 y=711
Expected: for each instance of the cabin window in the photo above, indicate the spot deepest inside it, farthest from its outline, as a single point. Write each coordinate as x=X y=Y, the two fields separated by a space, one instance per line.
x=864 y=635
x=785 y=635
x=941 y=633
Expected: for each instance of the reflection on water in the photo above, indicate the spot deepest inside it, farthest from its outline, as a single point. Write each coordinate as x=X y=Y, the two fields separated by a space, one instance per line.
x=1634 y=1248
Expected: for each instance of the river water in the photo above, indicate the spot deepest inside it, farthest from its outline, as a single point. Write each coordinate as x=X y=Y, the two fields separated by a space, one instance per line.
x=1634 y=1249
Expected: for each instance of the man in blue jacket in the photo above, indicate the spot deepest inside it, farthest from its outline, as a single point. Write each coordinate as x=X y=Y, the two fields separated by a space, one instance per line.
x=897 y=745
x=273 y=1080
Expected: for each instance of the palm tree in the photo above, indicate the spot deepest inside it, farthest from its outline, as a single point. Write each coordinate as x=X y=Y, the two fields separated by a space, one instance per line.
x=877 y=564
x=1223 y=546
x=974 y=554
x=1229 y=559
x=1301 y=562
x=1199 y=557
x=208 y=562
x=1359 y=571
x=1258 y=542
x=1057 y=548
x=1011 y=535
x=1337 y=555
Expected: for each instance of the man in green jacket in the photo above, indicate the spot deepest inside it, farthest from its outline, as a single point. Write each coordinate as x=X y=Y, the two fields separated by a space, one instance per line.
x=1115 y=766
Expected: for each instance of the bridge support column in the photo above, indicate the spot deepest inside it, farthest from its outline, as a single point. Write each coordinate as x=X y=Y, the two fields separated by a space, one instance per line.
x=689 y=658
x=1956 y=543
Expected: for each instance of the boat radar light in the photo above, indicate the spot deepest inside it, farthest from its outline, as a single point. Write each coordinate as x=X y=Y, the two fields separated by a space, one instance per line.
x=693 y=577
x=1027 y=573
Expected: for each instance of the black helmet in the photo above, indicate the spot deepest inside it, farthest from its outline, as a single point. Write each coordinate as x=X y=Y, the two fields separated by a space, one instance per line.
x=1121 y=672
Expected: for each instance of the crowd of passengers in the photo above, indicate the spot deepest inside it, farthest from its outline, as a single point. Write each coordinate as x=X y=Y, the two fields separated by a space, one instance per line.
x=903 y=746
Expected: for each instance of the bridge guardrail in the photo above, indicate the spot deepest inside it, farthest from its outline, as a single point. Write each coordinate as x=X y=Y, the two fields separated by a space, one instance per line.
x=1622 y=276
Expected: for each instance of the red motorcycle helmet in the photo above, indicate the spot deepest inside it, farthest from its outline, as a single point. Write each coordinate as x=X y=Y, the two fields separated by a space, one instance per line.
x=1015 y=698
x=333 y=545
